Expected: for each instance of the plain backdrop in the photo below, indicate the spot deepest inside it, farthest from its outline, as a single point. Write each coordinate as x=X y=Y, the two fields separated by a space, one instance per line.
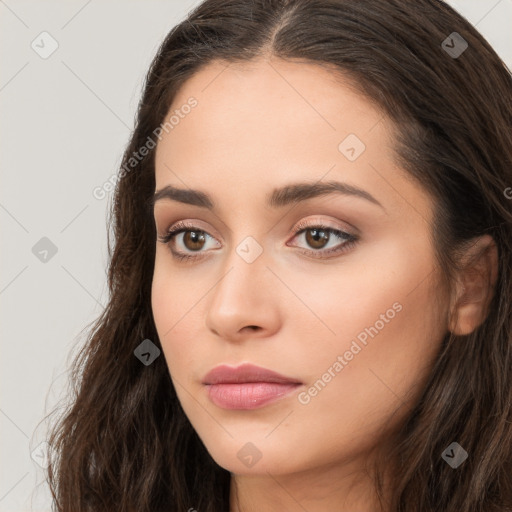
x=65 y=120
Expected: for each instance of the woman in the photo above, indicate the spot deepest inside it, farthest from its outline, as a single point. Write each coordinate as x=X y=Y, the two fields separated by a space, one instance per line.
x=313 y=227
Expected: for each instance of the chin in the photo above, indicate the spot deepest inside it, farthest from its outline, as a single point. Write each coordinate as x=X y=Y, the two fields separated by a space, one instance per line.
x=241 y=456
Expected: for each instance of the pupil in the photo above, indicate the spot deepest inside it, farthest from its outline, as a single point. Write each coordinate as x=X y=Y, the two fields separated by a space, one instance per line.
x=319 y=237
x=197 y=237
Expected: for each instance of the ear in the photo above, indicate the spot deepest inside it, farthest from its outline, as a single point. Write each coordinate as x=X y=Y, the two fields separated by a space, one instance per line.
x=475 y=286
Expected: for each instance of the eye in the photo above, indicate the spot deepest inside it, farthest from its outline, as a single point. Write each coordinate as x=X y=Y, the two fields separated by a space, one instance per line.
x=194 y=239
x=317 y=236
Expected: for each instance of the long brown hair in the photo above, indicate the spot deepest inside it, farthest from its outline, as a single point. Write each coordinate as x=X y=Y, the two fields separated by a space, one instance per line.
x=125 y=444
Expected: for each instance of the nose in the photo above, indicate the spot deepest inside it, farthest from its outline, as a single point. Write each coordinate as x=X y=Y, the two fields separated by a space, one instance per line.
x=245 y=300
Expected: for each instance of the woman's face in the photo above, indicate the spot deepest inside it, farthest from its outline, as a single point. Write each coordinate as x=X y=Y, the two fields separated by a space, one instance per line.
x=355 y=318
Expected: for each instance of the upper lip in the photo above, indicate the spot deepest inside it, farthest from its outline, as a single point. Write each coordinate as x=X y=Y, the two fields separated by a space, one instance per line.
x=246 y=372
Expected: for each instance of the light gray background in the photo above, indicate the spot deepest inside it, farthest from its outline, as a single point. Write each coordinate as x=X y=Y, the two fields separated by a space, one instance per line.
x=65 y=122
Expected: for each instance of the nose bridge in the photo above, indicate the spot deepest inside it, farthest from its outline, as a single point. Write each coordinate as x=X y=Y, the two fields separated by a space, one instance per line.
x=245 y=267
x=242 y=296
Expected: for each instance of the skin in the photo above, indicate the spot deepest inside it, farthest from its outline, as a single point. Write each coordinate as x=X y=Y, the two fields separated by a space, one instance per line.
x=257 y=127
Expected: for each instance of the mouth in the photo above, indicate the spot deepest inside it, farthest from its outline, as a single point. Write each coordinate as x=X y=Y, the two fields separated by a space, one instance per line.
x=246 y=386
x=250 y=395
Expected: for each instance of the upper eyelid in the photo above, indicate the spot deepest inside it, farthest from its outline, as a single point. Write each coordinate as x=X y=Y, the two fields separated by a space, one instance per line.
x=299 y=228
x=186 y=225
x=308 y=223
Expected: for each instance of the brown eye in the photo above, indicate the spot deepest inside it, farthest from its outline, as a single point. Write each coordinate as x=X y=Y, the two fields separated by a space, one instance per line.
x=320 y=238
x=190 y=238
x=317 y=238
x=194 y=240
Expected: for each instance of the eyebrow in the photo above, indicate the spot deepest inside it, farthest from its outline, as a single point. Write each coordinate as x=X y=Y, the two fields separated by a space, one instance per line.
x=278 y=198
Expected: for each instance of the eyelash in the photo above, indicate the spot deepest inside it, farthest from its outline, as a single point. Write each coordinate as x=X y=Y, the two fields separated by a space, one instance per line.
x=350 y=240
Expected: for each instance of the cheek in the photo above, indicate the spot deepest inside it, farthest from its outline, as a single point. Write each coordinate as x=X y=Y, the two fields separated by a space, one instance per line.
x=172 y=291
x=163 y=299
x=387 y=336
x=172 y=305
x=384 y=319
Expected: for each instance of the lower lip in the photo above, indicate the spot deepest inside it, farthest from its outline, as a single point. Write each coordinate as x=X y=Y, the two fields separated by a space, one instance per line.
x=248 y=395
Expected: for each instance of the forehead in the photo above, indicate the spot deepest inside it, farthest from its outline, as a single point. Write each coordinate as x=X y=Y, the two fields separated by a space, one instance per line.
x=261 y=125
x=250 y=112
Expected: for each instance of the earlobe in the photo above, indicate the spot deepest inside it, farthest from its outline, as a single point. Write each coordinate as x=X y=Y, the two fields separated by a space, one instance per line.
x=476 y=285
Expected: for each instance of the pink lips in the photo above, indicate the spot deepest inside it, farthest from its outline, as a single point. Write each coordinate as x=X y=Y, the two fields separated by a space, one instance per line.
x=246 y=386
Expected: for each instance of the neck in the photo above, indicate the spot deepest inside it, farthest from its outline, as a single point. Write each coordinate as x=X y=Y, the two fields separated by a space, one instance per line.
x=348 y=487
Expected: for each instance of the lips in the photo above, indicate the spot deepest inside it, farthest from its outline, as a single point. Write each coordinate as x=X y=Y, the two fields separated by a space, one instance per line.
x=225 y=374
x=247 y=386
